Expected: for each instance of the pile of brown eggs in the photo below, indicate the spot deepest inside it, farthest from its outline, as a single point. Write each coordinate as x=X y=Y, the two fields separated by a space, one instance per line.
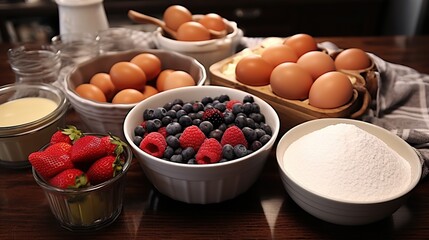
x=180 y=19
x=133 y=81
x=297 y=70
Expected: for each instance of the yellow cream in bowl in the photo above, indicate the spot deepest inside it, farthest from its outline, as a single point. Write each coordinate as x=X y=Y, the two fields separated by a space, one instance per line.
x=25 y=110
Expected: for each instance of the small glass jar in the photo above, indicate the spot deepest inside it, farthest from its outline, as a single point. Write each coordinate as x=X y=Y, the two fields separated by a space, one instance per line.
x=18 y=141
x=91 y=208
x=35 y=63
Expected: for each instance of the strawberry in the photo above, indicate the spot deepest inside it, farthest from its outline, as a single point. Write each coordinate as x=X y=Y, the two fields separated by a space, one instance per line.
x=233 y=135
x=113 y=144
x=69 y=178
x=87 y=149
x=209 y=152
x=193 y=137
x=53 y=160
x=67 y=135
x=104 y=169
x=231 y=103
x=154 y=144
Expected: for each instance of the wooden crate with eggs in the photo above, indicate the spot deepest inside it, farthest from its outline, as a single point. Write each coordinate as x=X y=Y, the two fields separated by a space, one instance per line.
x=307 y=85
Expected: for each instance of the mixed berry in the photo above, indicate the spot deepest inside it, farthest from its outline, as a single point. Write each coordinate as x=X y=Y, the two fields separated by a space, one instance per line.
x=210 y=130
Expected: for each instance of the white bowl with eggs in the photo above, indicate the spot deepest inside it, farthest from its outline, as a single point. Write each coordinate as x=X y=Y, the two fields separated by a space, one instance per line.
x=107 y=116
x=201 y=183
x=206 y=52
x=348 y=191
x=31 y=113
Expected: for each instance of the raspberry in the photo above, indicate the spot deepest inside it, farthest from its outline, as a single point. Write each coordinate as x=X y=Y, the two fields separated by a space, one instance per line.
x=233 y=135
x=231 y=103
x=193 y=137
x=154 y=144
x=163 y=131
x=209 y=152
x=214 y=116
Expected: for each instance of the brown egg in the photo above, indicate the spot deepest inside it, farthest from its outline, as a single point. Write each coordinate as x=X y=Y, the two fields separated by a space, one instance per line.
x=291 y=81
x=149 y=91
x=91 y=92
x=160 y=81
x=149 y=63
x=279 y=54
x=177 y=79
x=213 y=21
x=352 y=59
x=331 y=90
x=127 y=75
x=316 y=63
x=127 y=96
x=176 y=15
x=253 y=70
x=103 y=81
x=301 y=43
x=192 y=31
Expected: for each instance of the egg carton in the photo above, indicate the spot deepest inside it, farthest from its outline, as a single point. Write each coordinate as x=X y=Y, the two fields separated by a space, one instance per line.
x=294 y=112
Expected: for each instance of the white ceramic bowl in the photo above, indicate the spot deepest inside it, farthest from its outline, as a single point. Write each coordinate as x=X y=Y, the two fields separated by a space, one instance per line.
x=206 y=52
x=195 y=183
x=109 y=117
x=334 y=210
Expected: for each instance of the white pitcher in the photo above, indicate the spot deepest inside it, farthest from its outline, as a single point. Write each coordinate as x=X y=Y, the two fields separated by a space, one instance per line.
x=81 y=16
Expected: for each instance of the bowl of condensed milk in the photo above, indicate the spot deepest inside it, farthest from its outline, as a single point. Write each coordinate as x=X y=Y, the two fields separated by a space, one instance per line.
x=30 y=114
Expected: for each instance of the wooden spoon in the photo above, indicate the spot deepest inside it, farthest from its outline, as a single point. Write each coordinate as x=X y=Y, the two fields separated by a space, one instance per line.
x=142 y=18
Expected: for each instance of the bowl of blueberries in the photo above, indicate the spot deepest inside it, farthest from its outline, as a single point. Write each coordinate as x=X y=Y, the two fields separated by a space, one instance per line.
x=202 y=144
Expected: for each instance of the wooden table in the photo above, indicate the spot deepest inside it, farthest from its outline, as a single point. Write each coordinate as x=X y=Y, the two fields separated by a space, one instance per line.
x=264 y=211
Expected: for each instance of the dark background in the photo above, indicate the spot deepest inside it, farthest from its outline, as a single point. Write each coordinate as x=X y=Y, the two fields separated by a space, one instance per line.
x=29 y=20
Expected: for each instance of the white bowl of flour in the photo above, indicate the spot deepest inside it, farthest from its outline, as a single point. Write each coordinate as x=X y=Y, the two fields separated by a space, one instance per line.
x=347 y=171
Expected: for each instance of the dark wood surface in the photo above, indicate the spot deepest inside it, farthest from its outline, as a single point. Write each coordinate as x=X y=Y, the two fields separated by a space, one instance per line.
x=265 y=211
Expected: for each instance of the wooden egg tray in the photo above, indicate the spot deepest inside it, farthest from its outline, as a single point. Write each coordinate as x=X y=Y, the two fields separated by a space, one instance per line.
x=291 y=112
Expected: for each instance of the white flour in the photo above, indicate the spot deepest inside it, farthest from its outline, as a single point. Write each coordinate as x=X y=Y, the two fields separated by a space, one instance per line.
x=346 y=162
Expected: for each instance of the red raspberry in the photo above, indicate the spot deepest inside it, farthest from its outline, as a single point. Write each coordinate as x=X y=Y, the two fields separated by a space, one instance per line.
x=233 y=135
x=209 y=152
x=231 y=103
x=193 y=137
x=154 y=144
x=163 y=131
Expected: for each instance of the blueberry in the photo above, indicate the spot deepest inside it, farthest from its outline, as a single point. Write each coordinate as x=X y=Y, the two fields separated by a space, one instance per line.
x=148 y=114
x=266 y=128
x=229 y=117
x=248 y=98
x=173 y=128
x=220 y=106
x=192 y=115
x=200 y=114
x=166 y=120
x=250 y=123
x=228 y=151
x=188 y=153
x=178 y=101
x=188 y=107
x=180 y=113
x=223 y=160
x=247 y=108
x=237 y=108
x=185 y=121
x=206 y=127
x=168 y=152
x=173 y=141
x=249 y=134
x=257 y=117
x=168 y=106
x=216 y=134
x=137 y=140
x=197 y=106
x=223 y=98
x=240 y=121
x=222 y=127
x=177 y=158
x=259 y=133
x=196 y=121
x=240 y=150
x=157 y=122
x=255 y=145
x=151 y=126
x=176 y=107
x=139 y=131
x=171 y=113
x=206 y=100
x=264 y=139
x=159 y=113
x=192 y=161
x=256 y=108
x=178 y=150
